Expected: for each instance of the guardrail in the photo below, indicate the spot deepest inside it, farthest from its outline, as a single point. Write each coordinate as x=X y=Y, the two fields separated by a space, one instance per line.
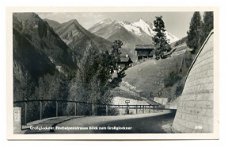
x=93 y=107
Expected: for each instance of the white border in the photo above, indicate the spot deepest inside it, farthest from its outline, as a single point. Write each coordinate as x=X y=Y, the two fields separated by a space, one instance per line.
x=9 y=75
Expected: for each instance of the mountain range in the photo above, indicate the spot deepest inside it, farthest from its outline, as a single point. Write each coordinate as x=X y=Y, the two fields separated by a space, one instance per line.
x=102 y=34
x=131 y=34
x=140 y=30
x=79 y=39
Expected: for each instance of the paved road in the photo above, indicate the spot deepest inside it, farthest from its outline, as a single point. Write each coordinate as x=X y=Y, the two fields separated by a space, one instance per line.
x=159 y=122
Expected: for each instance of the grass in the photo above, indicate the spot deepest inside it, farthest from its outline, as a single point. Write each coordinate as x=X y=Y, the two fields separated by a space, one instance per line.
x=149 y=77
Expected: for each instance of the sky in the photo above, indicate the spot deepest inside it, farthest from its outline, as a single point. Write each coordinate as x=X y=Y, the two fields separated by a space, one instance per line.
x=177 y=23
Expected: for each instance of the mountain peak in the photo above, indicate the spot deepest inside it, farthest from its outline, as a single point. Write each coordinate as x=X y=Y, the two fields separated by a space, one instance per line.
x=73 y=21
x=141 y=20
x=145 y=27
x=71 y=25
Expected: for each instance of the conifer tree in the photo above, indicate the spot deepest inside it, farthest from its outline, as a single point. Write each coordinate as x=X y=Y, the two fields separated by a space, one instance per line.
x=208 y=24
x=194 y=37
x=161 y=43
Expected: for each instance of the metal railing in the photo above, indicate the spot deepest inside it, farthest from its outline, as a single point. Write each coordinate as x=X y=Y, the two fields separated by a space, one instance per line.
x=92 y=107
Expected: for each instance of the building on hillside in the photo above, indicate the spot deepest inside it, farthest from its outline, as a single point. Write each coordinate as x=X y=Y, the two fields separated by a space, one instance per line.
x=125 y=61
x=144 y=51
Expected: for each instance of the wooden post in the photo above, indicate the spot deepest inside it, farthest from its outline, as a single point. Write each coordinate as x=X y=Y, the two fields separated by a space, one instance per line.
x=127 y=109
x=149 y=109
x=106 y=109
x=136 y=109
x=41 y=110
x=140 y=108
x=56 y=108
x=143 y=109
x=75 y=108
x=93 y=109
x=17 y=120
x=25 y=112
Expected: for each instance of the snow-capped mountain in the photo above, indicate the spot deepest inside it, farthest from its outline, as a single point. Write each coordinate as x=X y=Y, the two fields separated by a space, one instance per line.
x=140 y=28
x=131 y=34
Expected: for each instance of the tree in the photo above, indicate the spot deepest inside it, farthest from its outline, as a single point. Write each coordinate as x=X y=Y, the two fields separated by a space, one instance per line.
x=208 y=24
x=161 y=43
x=194 y=35
x=98 y=77
x=108 y=65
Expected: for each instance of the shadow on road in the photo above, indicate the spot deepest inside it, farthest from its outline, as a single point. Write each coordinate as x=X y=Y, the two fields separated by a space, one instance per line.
x=142 y=125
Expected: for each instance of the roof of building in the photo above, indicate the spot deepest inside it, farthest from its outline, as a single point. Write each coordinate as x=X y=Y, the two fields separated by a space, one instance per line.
x=144 y=47
x=124 y=58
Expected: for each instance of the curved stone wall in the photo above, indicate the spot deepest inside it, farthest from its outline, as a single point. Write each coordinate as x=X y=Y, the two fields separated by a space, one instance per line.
x=195 y=107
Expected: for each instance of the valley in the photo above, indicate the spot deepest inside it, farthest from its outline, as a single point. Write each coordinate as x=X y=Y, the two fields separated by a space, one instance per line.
x=55 y=60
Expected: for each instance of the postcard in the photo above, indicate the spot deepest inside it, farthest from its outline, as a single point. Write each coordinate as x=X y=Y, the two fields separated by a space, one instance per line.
x=112 y=73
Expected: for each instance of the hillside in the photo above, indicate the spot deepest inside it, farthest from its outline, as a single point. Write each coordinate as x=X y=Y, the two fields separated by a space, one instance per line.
x=42 y=64
x=43 y=37
x=52 y=23
x=162 y=78
x=80 y=40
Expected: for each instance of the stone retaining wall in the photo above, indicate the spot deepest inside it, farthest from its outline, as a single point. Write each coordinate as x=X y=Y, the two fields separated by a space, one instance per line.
x=195 y=107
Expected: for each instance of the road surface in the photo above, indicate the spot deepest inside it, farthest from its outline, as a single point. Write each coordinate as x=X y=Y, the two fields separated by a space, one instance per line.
x=159 y=122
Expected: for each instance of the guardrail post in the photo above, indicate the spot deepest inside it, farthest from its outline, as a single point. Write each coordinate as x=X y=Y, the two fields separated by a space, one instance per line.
x=136 y=109
x=17 y=120
x=75 y=108
x=149 y=108
x=56 y=109
x=41 y=110
x=143 y=108
x=25 y=112
x=93 y=109
x=106 y=110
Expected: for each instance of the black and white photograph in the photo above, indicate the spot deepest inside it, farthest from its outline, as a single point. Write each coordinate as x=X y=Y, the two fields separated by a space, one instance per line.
x=114 y=72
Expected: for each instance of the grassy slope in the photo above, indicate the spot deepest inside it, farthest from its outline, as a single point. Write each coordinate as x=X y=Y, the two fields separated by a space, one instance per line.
x=149 y=75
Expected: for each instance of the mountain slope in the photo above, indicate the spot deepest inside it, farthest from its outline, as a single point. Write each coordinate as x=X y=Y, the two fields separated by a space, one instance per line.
x=29 y=58
x=52 y=23
x=43 y=37
x=112 y=30
x=158 y=78
x=42 y=64
x=79 y=39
